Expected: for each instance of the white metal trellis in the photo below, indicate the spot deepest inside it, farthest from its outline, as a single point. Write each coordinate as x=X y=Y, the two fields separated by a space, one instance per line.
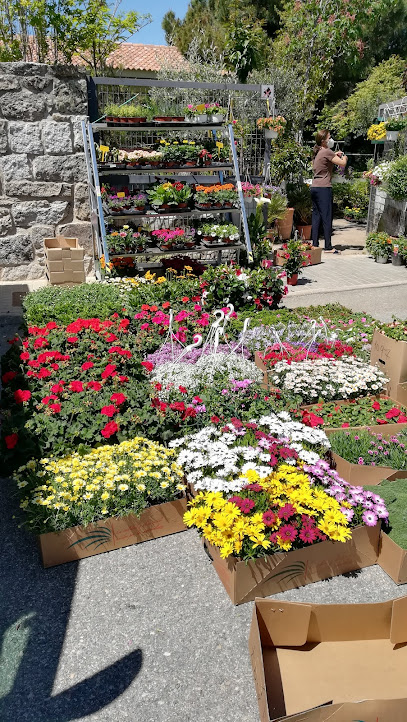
x=393 y=109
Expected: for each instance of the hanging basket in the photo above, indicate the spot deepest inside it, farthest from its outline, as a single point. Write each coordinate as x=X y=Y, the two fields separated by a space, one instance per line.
x=270 y=133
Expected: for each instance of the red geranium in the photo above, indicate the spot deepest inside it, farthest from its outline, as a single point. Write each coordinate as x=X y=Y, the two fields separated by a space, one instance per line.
x=87 y=365
x=118 y=398
x=8 y=376
x=11 y=440
x=109 y=411
x=94 y=385
x=55 y=408
x=21 y=395
x=76 y=386
x=147 y=365
x=110 y=429
x=376 y=406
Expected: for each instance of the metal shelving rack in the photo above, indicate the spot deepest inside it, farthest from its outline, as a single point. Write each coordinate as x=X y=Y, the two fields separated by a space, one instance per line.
x=151 y=175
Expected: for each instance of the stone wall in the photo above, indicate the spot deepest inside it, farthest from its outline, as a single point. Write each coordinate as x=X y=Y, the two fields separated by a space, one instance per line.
x=385 y=214
x=43 y=181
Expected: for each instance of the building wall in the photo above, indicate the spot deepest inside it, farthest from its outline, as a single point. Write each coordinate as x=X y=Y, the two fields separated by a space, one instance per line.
x=43 y=181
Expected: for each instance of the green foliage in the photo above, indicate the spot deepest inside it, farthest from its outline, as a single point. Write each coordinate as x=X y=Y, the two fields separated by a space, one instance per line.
x=356 y=113
x=355 y=448
x=394 y=494
x=64 y=305
x=353 y=194
x=396 y=179
x=289 y=160
x=58 y=29
x=246 y=42
x=299 y=198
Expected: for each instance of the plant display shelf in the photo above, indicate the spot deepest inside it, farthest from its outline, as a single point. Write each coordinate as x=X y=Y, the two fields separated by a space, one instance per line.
x=99 y=215
x=154 y=171
x=157 y=125
x=181 y=252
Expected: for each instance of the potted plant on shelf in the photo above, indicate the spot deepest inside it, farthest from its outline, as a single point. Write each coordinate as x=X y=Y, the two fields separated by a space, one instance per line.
x=294 y=259
x=380 y=246
x=173 y=155
x=170 y=196
x=207 y=232
x=273 y=127
x=196 y=113
x=171 y=116
x=393 y=127
x=169 y=238
x=118 y=205
x=205 y=158
x=398 y=255
x=139 y=203
x=112 y=112
x=133 y=114
x=189 y=154
x=190 y=237
x=299 y=196
x=215 y=112
x=139 y=242
x=228 y=233
x=377 y=133
x=354 y=214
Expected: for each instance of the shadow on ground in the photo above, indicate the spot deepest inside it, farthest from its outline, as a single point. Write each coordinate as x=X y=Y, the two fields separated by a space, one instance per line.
x=34 y=613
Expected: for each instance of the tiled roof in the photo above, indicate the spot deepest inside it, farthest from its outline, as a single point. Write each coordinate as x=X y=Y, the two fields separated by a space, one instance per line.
x=134 y=56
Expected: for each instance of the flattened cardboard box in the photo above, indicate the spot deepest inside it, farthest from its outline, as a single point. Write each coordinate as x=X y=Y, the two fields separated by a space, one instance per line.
x=330 y=662
x=363 y=475
x=391 y=357
x=274 y=573
x=107 y=534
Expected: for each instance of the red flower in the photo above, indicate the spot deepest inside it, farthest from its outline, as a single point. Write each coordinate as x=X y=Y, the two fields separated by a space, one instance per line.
x=49 y=398
x=345 y=425
x=393 y=413
x=87 y=365
x=109 y=411
x=145 y=307
x=381 y=421
x=402 y=419
x=118 y=398
x=8 y=376
x=24 y=356
x=123 y=379
x=158 y=386
x=185 y=299
x=11 y=440
x=376 y=406
x=154 y=308
x=55 y=367
x=286 y=511
x=44 y=374
x=177 y=406
x=21 y=395
x=147 y=365
x=287 y=533
x=189 y=411
x=196 y=399
x=246 y=505
x=110 y=370
x=269 y=518
x=55 y=408
x=110 y=429
x=57 y=388
x=71 y=339
x=215 y=419
x=182 y=389
x=76 y=386
x=94 y=385
x=166 y=304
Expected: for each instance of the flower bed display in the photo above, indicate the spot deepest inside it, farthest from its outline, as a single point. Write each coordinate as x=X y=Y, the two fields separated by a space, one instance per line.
x=373 y=412
x=71 y=502
x=285 y=529
x=327 y=378
x=366 y=458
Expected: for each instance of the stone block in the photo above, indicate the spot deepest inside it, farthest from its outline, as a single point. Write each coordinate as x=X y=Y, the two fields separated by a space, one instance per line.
x=69 y=96
x=30 y=272
x=71 y=169
x=81 y=231
x=37 y=83
x=38 y=233
x=24 y=69
x=77 y=132
x=81 y=202
x=38 y=189
x=3 y=136
x=23 y=105
x=6 y=222
x=16 y=250
x=25 y=138
x=57 y=137
x=28 y=212
x=15 y=167
x=9 y=82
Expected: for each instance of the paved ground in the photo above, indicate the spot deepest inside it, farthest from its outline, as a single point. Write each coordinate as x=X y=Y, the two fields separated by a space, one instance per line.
x=147 y=633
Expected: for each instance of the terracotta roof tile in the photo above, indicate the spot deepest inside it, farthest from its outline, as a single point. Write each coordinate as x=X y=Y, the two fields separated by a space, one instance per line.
x=134 y=56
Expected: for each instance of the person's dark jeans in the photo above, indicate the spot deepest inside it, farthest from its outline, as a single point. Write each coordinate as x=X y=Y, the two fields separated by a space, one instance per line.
x=321 y=214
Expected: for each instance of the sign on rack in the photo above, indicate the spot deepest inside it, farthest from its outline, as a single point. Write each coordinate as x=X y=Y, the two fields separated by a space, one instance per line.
x=267 y=92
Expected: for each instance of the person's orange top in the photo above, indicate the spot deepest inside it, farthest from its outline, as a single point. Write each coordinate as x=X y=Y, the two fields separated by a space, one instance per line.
x=323 y=168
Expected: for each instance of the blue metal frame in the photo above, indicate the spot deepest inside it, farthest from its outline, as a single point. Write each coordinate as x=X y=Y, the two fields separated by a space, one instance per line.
x=240 y=193
x=95 y=198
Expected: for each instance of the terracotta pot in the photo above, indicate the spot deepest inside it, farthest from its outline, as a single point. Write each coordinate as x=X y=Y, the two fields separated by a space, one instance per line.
x=169 y=118
x=203 y=205
x=134 y=121
x=304 y=232
x=109 y=119
x=118 y=120
x=182 y=205
x=293 y=280
x=285 y=224
x=164 y=207
x=190 y=163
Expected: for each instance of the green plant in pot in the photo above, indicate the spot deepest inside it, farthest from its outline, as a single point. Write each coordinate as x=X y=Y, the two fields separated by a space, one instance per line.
x=292 y=253
x=380 y=246
x=112 y=111
x=299 y=196
x=394 y=126
x=134 y=113
x=173 y=155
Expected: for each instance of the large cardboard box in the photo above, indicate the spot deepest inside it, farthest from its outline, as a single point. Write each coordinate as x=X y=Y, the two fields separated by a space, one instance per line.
x=108 y=534
x=274 y=573
x=64 y=261
x=392 y=558
x=330 y=662
x=361 y=475
x=391 y=357
x=314 y=253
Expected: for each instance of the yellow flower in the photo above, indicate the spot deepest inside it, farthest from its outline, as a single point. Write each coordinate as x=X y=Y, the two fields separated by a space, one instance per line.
x=121 y=487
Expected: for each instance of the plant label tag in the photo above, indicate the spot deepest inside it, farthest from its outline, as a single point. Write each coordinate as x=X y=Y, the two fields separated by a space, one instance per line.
x=219 y=144
x=121 y=194
x=200 y=108
x=267 y=92
x=103 y=149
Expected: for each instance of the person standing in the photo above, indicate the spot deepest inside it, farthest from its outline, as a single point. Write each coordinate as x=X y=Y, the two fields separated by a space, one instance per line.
x=321 y=189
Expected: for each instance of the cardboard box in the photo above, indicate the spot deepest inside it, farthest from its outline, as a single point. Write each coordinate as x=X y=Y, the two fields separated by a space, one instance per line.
x=391 y=357
x=64 y=261
x=401 y=394
x=361 y=475
x=274 y=573
x=392 y=558
x=55 y=266
x=376 y=429
x=336 y=662
x=113 y=533
x=315 y=253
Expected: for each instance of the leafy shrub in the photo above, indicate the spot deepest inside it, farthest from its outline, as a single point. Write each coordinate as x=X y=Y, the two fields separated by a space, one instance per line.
x=64 y=305
x=354 y=194
x=396 y=183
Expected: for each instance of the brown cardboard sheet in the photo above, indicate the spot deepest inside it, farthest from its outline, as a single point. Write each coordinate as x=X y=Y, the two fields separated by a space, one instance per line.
x=391 y=357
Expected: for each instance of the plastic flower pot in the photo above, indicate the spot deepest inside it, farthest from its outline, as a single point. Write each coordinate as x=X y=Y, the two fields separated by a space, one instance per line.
x=381 y=259
x=270 y=133
x=201 y=118
x=217 y=118
x=392 y=135
x=304 y=232
x=397 y=260
x=285 y=224
x=168 y=119
x=134 y=121
x=292 y=280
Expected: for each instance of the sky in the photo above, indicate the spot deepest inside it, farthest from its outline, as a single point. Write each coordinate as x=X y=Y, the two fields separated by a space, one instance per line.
x=153 y=33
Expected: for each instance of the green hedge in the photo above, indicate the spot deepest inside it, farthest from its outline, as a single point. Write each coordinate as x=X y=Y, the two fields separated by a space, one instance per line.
x=64 y=305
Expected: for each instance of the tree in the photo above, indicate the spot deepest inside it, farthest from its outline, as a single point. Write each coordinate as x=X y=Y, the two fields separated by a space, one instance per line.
x=386 y=82
x=246 y=43
x=57 y=30
x=316 y=34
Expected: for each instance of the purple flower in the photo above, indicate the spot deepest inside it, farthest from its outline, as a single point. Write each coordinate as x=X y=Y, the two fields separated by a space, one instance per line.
x=348 y=513
x=369 y=518
x=381 y=512
x=361 y=461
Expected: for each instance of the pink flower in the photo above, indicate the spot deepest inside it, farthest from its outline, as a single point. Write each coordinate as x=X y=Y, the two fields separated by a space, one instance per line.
x=87 y=365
